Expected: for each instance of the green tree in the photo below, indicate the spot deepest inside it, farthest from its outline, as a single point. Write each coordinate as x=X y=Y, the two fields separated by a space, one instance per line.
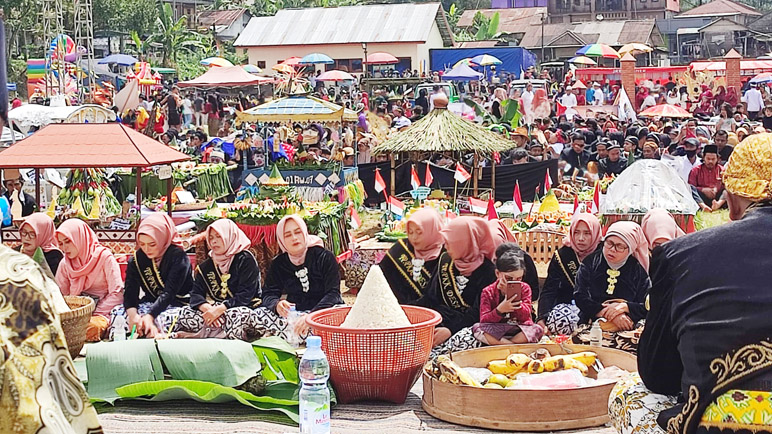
x=173 y=36
x=125 y=15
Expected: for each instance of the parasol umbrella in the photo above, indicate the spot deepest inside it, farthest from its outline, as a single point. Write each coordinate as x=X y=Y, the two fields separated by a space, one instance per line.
x=316 y=58
x=252 y=69
x=461 y=73
x=598 y=50
x=485 y=60
x=381 y=58
x=635 y=47
x=119 y=59
x=764 y=77
x=216 y=61
x=466 y=61
x=283 y=68
x=335 y=75
x=292 y=61
x=582 y=60
x=666 y=111
x=579 y=85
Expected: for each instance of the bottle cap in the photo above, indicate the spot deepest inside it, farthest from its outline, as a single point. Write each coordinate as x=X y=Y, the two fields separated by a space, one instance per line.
x=314 y=342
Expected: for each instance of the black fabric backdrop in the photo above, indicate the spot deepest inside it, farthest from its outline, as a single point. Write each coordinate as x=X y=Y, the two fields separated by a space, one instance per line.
x=530 y=176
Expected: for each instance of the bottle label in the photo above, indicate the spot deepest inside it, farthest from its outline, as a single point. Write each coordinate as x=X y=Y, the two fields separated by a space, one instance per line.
x=315 y=420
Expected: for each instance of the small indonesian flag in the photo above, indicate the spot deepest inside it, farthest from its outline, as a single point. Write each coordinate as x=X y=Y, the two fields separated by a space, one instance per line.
x=396 y=206
x=450 y=215
x=595 y=209
x=380 y=184
x=576 y=203
x=429 y=178
x=478 y=206
x=547 y=181
x=356 y=222
x=415 y=182
x=517 y=200
x=461 y=174
x=492 y=214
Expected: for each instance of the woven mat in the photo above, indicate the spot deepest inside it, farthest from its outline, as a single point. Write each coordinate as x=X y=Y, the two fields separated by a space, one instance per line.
x=192 y=417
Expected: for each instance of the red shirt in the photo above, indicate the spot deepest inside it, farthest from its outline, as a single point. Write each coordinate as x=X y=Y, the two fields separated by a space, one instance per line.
x=490 y=299
x=702 y=177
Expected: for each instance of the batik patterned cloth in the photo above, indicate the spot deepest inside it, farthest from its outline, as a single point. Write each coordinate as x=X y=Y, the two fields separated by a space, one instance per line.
x=633 y=409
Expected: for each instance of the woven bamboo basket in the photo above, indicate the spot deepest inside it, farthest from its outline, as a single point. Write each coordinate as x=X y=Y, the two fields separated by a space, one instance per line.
x=74 y=322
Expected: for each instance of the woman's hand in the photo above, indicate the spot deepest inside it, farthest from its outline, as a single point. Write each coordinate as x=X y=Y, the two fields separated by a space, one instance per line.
x=283 y=308
x=146 y=326
x=623 y=322
x=301 y=326
x=509 y=305
x=133 y=318
x=213 y=315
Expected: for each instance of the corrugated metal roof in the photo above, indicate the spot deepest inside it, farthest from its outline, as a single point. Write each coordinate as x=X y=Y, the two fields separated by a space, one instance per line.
x=722 y=7
x=344 y=25
x=224 y=17
x=510 y=20
x=613 y=33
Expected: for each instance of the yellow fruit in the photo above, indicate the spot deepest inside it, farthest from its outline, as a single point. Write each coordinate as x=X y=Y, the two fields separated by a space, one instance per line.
x=510 y=384
x=456 y=374
x=493 y=386
x=587 y=358
x=554 y=363
x=518 y=361
x=535 y=367
x=500 y=367
x=499 y=379
x=573 y=364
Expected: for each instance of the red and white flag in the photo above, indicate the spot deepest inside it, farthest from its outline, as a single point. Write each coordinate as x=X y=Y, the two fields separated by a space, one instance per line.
x=492 y=214
x=576 y=203
x=396 y=206
x=517 y=200
x=356 y=221
x=415 y=182
x=429 y=178
x=461 y=174
x=595 y=209
x=478 y=206
x=380 y=184
x=547 y=182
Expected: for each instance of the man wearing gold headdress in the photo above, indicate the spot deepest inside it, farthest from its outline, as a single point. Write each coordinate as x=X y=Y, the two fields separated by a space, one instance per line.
x=707 y=334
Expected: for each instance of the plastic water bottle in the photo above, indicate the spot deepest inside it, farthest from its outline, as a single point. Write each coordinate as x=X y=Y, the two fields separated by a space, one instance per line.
x=314 y=398
x=292 y=318
x=596 y=335
x=119 y=328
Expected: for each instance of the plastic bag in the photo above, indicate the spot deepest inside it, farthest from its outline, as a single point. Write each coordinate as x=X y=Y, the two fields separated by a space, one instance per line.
x=649 y=184
x=568 y=379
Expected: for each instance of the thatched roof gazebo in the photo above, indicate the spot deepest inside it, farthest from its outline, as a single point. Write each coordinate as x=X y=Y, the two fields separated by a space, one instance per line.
x=442 y=130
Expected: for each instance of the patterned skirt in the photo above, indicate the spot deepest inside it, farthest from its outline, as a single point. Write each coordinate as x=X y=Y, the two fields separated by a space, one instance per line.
x=532 y=332
x=625 y=341
x=633 y=409
x=238 y=323
x=163 y=321
x=563 y=319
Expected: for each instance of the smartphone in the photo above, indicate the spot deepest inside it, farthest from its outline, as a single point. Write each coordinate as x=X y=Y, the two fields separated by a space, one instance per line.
x=514 y=289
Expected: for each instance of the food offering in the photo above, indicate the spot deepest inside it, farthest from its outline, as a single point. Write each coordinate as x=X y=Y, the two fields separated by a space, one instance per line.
x=205 y=182
x=532 y=387
x=86 y=195
x=548 y=217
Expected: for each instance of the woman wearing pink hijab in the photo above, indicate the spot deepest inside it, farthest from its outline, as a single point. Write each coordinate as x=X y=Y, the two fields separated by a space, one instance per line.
x=557 y=312
x=89 y=269
x=226 y=288
x=161 y=269
x=612 y=283
x=409 y=264
x=659 y=227
x=464 y=269
x=305 y=272
x=37 y=232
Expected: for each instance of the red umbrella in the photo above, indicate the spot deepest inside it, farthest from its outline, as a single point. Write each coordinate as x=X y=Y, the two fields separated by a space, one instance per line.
x=381 y=58
x=292 y=61
x=665 y=111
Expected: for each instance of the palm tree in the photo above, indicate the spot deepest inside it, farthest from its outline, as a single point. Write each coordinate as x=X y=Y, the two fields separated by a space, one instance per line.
x=172 y=36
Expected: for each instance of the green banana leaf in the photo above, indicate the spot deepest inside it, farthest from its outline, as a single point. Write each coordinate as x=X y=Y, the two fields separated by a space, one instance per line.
x=224 y=362
x=278 y=358
x=511 y=114
x=203 y=391
x=115 y=364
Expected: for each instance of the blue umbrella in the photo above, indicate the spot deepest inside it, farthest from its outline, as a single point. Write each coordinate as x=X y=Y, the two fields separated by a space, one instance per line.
x=316 y=58
x=120 y=59
x=461 y=72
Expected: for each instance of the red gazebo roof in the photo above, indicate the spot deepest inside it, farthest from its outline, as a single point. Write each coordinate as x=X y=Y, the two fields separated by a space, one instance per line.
x=88 y=145
x=227 y=76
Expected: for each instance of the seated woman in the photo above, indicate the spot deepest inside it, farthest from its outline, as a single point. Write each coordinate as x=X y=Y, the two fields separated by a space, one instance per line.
x=37 y=232
x=226 y=288
x=659 y=227
x=464 y=269
x=409 y=264
x=161 y=269
x=89 y=269
x=612 y=284
x=504 y=239
x=306 y=272
x=557 y=313
x=505 y=317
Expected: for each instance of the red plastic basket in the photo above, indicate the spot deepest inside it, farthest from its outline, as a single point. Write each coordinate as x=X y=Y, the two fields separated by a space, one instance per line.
x=367 y=364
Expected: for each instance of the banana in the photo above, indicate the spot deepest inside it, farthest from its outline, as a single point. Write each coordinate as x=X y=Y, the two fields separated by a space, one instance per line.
x=587 y=358
x=535 y=367
x=554 y=363
x=456 y=374
x=574 y=364
x=501 y=367
x=518 y=361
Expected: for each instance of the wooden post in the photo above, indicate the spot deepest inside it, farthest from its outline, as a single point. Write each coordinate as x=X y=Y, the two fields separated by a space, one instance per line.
x=475 y=172
x=393 y=175
x=169 y=191
x=37 y=186
x=493 y=178
x=138 y=195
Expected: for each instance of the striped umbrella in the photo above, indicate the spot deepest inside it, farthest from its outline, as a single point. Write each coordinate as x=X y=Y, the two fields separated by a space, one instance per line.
x=665 y=111
x=316 y=58
x=283 y=68
x=467 y=61
x=582 y=60
x=598 y=50
x=485 y=60
x=764 y=77
x=252 y=69
x=292 y=61
x=635 y=47
x=216 y=61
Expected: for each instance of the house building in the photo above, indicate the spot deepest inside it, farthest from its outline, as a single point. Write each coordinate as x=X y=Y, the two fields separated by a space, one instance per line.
x=189 y=8
x=407 y=31
x=572 y=11
x=228 y=23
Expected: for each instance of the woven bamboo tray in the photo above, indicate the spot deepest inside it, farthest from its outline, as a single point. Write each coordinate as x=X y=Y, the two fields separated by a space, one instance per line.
x=522 y=410
x=75 y=322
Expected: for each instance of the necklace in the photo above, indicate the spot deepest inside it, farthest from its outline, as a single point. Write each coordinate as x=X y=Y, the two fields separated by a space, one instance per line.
x=418 y=265
x=224 y=285
x=461 y=282
x=612 y=280
x=302 y=276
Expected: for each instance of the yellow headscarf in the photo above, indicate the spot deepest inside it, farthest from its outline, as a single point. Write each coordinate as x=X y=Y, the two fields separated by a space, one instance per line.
x=749 y=171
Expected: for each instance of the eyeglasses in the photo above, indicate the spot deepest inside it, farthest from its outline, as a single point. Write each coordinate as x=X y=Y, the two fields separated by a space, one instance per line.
x=27 y=234
x=621 y=247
